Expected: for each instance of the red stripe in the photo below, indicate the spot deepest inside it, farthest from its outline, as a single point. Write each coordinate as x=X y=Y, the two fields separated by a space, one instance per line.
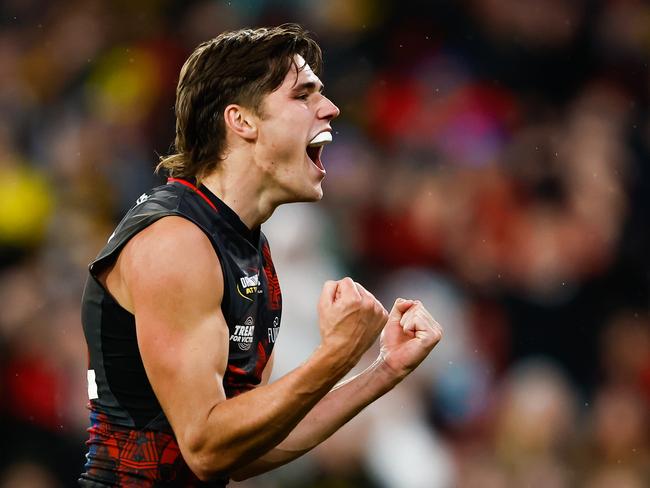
x=190 y=185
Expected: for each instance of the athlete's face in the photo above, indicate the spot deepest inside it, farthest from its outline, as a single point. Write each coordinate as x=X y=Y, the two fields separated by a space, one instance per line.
x=291 y=117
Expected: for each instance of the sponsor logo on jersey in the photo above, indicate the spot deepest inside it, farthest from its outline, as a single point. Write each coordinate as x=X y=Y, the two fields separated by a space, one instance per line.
x=141 y=199
x=249 y=286
x=243 y=334
x=274 y=331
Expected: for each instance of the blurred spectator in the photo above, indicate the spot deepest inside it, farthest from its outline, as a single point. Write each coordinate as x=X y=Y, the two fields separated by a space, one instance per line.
x=618 y=445
x=625 y=352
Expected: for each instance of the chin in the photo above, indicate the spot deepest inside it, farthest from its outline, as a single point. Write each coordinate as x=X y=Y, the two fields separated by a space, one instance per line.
x=317 y=195
x=313 y=194
x=314 y=197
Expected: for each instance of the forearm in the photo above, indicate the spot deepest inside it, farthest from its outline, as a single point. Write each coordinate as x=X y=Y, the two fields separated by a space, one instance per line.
x=340 y=405
x=242 y=428
x=336 y=408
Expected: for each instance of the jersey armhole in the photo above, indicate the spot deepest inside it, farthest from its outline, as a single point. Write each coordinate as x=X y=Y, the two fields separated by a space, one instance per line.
x=103 y=261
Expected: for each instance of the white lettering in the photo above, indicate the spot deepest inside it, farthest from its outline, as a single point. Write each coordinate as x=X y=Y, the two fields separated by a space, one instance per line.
x=250 y=281
x=92 y=385
x=273 y=334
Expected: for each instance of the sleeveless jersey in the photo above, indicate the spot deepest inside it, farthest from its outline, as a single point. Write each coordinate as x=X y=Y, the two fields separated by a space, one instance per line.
x=131 y=442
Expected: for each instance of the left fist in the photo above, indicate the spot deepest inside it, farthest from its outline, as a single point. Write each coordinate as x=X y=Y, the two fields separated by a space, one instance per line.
x=408 y=336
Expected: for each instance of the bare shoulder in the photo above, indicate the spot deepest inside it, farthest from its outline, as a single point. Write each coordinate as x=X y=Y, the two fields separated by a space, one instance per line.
x=170 y=240
x=171 y=257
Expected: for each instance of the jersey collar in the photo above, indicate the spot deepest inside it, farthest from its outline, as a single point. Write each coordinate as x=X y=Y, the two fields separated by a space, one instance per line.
x=252 y=236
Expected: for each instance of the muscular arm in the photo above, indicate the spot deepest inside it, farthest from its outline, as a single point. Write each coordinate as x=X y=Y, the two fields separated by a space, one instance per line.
x=339 y=406
x=409 y=326
x=169 y=277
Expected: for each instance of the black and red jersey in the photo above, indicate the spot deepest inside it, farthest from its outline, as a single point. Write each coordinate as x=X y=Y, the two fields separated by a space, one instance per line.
x=131 y=442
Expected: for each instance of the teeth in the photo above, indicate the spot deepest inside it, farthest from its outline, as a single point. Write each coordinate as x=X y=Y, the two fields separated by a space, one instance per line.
x=321 y=139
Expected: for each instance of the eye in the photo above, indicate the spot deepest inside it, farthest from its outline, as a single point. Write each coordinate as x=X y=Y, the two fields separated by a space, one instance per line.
x=304 y=96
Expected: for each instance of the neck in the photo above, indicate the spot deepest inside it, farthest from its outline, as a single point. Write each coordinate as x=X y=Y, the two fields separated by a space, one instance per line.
x=241 y=188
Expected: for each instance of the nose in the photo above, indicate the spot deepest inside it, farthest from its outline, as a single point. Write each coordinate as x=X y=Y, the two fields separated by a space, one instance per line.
x=328 y=110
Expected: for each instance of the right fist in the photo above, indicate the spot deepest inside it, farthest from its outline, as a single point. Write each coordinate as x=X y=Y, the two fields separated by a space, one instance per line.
x=350 y=318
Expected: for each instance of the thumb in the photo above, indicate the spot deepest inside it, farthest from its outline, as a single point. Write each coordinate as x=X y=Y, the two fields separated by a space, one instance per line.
x=399 y=308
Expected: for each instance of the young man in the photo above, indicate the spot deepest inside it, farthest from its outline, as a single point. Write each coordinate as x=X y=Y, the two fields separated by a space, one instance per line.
x=183 y=305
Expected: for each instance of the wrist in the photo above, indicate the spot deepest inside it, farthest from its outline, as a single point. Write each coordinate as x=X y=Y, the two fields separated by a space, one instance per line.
x=391 y=373
x=386 y=376
x=333 y=364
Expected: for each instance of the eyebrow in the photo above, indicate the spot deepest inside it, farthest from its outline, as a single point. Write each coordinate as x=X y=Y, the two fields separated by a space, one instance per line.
x=309 y=86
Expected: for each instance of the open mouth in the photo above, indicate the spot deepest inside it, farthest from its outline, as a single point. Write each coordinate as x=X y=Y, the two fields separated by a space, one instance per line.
x=315 y=148
x=314 y=153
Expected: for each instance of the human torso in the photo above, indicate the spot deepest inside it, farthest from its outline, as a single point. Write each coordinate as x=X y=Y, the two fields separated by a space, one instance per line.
x=131 y=441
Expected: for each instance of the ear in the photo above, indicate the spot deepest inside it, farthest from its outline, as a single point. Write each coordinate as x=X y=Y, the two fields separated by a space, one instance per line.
x=241 y=121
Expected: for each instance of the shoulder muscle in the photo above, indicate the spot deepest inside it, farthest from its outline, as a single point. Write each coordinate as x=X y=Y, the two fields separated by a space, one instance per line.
x=171 y=257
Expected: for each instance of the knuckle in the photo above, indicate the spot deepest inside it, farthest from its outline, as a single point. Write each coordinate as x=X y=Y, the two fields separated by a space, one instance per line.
x=328 y=285
x=355 y=301
x=437 y=335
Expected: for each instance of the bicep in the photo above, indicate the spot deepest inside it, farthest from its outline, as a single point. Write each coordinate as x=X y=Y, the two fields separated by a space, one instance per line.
x=176 y=287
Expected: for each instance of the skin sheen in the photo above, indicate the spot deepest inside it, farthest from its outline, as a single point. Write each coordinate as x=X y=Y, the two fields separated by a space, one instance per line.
x=182 y=334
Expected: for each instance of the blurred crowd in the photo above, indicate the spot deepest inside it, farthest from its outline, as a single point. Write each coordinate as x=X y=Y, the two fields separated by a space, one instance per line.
x=491 y=160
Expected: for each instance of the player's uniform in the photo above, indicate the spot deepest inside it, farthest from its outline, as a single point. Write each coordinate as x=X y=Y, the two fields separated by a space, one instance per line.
x=131 y=442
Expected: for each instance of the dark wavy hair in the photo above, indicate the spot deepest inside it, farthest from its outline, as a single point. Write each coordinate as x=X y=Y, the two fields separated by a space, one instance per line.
x=235 y=67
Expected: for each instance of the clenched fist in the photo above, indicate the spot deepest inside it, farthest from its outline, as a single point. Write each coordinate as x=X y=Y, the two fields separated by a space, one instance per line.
x=408 y=337
x=350 y=319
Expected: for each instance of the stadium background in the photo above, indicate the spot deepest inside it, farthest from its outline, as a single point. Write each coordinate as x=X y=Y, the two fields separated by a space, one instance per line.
x=491 y=159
